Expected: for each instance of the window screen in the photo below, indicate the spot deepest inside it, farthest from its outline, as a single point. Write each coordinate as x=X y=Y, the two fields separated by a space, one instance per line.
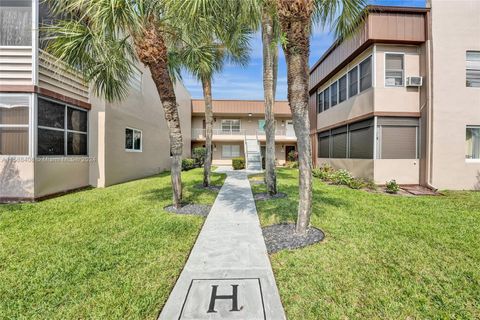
x=394 y=67
x=54 y=137
x=230 y=126
x=14 y=120
x=326 y=99
x=334 y=94
x=324 y=145
x=320 y=102
x=15 y=23
x=366 y=74
x=339 y=142
x=473 y=69
x=230 y=151
x=353 y=82
x=342 y=89
x=361 y=139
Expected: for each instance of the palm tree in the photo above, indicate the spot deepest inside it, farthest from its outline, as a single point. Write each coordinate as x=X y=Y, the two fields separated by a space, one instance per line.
x=270 y=39
x=296 y=17
x=203 y=52
x=104 y=39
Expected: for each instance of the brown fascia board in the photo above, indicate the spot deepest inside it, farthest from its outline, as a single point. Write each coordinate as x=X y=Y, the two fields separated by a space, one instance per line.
x=368 y=10
x=45 y=92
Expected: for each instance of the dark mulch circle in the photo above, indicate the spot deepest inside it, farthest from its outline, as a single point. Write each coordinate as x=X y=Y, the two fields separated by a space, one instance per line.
x=211 y=188
x=190 y=208
x=265 y=196
x=282 y=236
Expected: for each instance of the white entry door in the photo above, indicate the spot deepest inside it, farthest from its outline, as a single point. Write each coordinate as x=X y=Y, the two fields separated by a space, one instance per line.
x=290 y=131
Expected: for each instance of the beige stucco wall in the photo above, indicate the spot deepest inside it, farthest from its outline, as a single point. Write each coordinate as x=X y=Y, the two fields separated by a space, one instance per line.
x=397 y=99
x=16 y=177
x=360 y=168
x=404 y=171
x=59 y=174
x=456 y=29
x=143 y=111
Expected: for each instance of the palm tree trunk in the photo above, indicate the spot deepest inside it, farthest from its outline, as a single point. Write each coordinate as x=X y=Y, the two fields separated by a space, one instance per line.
x=207 y=95
x=294 y=16
x=270 y=59
x=152 y=52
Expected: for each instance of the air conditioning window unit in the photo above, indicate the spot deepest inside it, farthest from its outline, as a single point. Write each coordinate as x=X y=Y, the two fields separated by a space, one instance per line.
x=414 y=81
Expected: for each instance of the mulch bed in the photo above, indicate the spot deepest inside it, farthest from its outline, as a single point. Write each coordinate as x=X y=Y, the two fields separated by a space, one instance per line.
x=190 y=208
x=211 y=188
x=265 y=196
x=282 y=236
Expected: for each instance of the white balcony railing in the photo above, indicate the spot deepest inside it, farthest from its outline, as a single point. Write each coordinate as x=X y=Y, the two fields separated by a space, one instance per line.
x=199 y=134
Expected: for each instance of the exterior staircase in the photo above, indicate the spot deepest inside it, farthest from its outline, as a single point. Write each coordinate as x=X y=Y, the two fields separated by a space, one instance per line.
x=253 y=155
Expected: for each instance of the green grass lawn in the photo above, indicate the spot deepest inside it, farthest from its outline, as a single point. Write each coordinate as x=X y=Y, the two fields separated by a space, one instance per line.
x=384 y=257
x=109 y=253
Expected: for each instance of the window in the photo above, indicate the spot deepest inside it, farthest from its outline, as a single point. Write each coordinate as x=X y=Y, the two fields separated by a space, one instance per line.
x=15 y=23
x=230 y=151
x=473 y=69
x=353 y=82
x=397 y=138
x=324 y=144
x=326 y=99
x=361 y=140
x=62 y=130
x=342 y=89
x=230 y=126
x=366 y=74
x=136 y=80
x=261 y=125
x=320 y=102
x=339 y=142
x=14 y=119
x=334 y=94
x=133 y=140
x=394 y=67
x=473 y=143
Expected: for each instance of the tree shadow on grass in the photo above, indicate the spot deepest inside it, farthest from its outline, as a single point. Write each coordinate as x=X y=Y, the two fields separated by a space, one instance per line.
x=285 y=210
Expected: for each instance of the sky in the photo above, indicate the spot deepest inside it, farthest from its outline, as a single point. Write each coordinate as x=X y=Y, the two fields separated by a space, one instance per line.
x=236 y=82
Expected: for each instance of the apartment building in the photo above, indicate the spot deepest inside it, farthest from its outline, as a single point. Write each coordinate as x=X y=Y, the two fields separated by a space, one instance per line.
x=55 y=135
x=238 y=130
x=401 y=99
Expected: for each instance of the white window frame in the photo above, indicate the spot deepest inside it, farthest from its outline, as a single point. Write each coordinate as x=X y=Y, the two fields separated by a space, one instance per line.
x=65 y=129
x=471 y=160
x=133 y=141
x=404 y=79
x=239 y=125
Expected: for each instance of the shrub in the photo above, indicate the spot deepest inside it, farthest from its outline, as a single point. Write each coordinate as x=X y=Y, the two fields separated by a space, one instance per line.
x=292 y=156
x=188 y=164
x=370 y=184
x=291 y=164
x=238 y=163
x=199 y=154
x=392 y=186
x=324 y=172
x=356 y=183
x=341 y=177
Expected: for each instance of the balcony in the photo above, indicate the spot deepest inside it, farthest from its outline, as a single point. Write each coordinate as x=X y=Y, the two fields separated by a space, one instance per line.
x=239 y=135
x=18 y=68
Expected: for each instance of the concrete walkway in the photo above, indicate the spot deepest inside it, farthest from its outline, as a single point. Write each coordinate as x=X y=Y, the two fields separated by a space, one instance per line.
x=228 y=274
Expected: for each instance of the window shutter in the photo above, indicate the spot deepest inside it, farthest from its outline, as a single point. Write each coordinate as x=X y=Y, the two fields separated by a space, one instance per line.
x=361 y=140
x=399 y=142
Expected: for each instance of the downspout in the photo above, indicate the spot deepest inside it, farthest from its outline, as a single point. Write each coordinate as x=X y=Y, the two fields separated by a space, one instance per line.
x=430 y=104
